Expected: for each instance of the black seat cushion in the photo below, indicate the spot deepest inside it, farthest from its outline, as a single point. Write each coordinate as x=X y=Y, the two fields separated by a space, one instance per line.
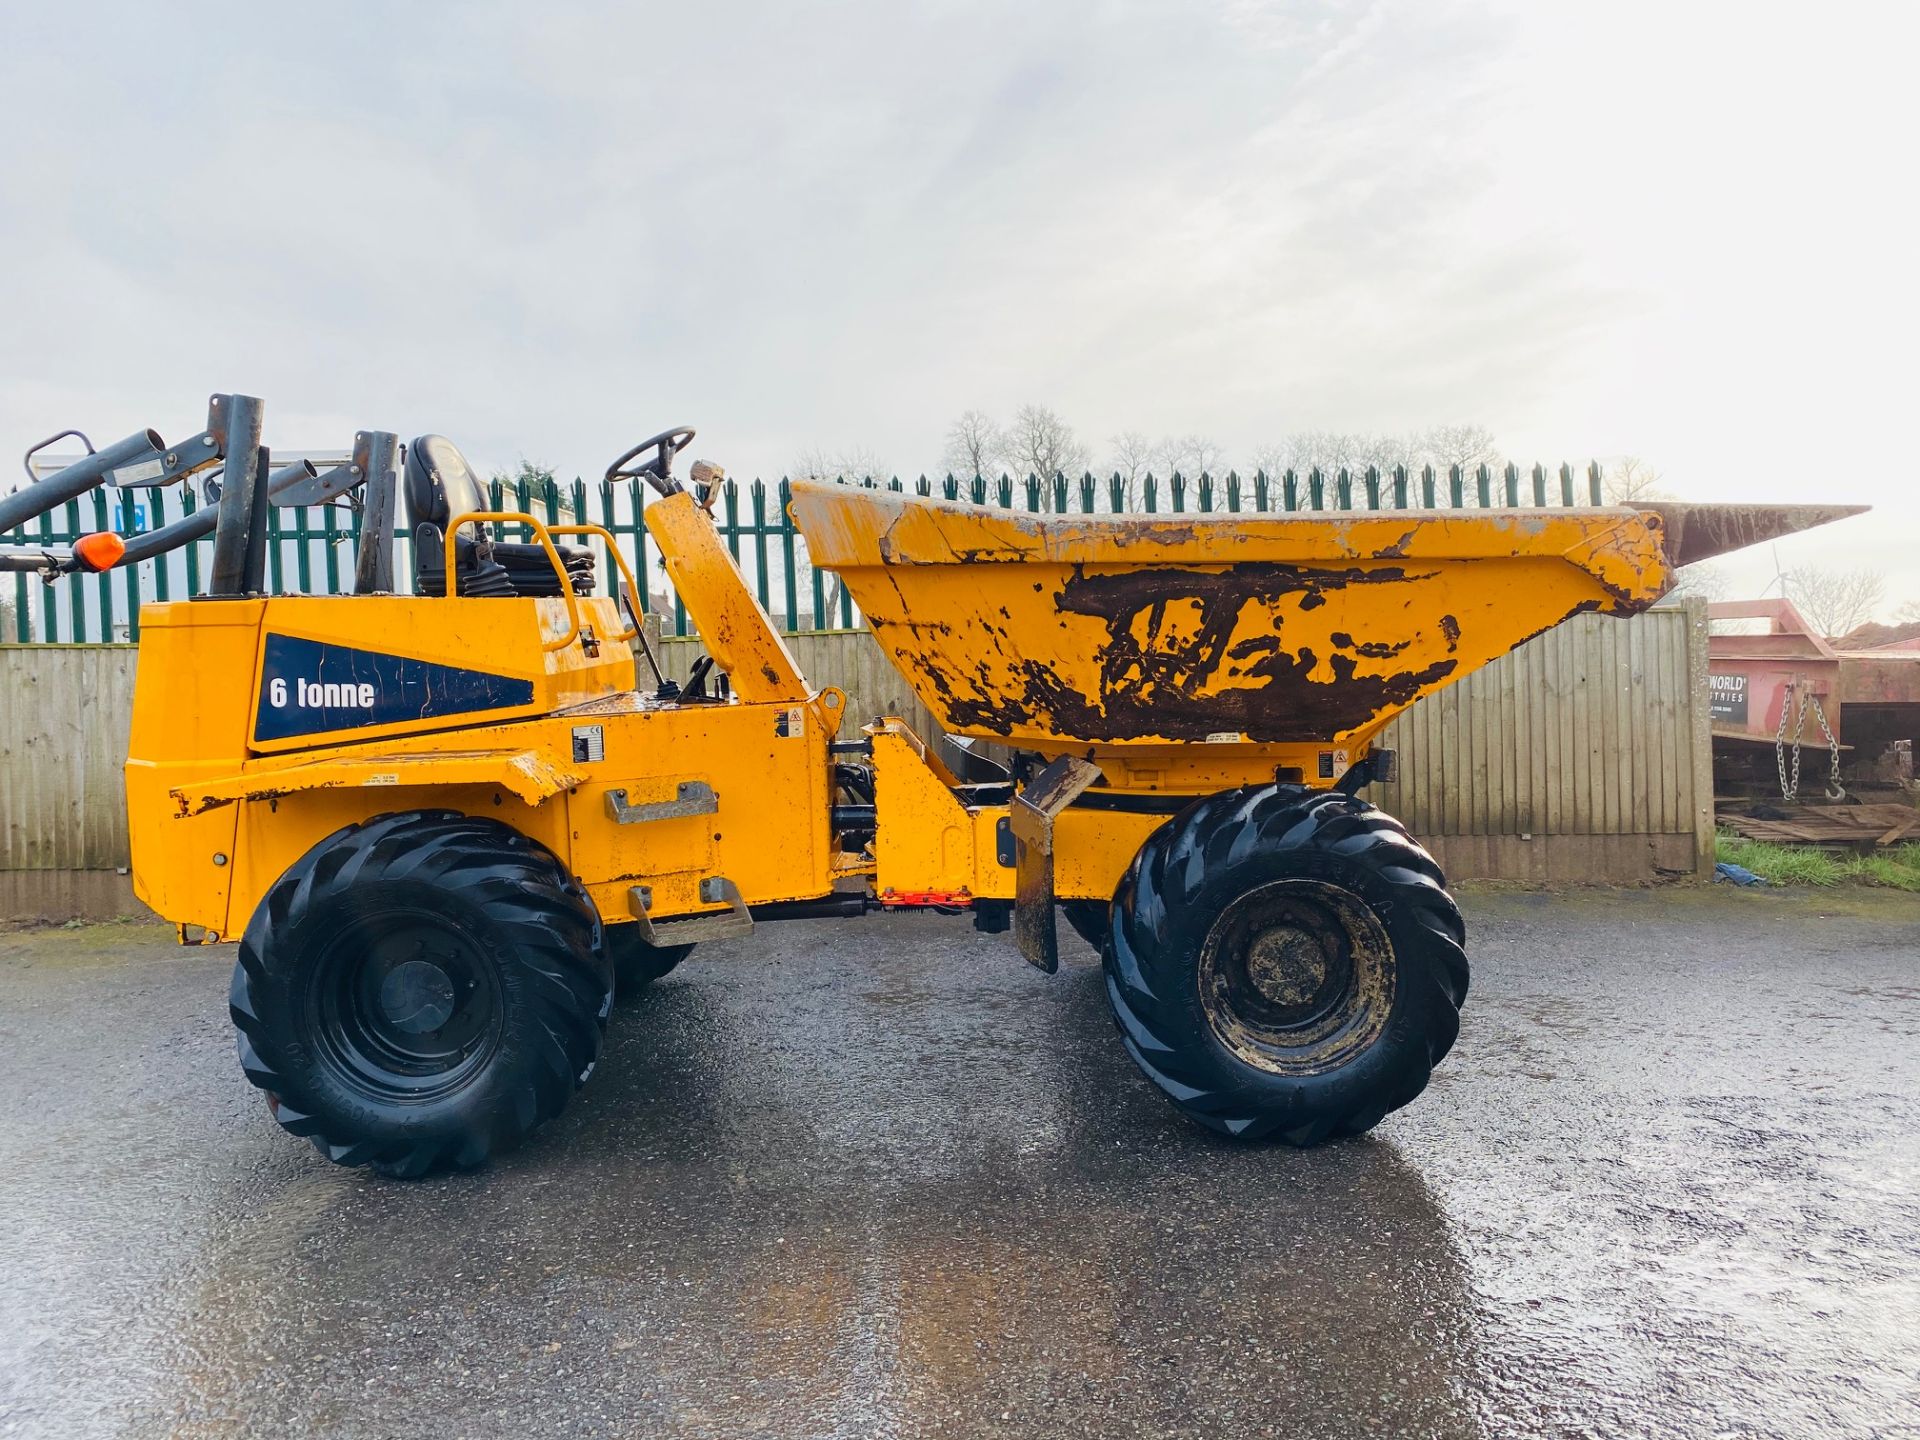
x=440 y=485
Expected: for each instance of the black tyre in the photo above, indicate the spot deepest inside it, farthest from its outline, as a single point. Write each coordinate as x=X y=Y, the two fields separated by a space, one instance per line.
x=637 y=965
x=1286 y=963
x=421 y=991
x=1090 y=919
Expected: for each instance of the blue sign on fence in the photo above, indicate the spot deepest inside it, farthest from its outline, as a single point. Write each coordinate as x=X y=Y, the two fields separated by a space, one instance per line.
x=129 y=517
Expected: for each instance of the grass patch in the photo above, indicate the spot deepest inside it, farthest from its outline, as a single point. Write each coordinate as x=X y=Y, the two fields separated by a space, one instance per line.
x=1896 y=869
x=1884 y=870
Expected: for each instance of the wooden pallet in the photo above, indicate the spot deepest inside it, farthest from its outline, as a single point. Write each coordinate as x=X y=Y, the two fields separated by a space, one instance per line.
x=1857 y=827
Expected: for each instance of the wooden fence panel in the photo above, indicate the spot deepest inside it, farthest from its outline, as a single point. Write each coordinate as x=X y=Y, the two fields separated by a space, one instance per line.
x=1586 y=731
x=64 y=714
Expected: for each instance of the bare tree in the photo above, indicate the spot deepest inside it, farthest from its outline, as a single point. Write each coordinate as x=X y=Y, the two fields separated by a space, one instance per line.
x=1325 y=450
x=1467 y=446
x=850 y=462
x=1384 y=450
x=1271 y=458
x=974 y=445
x=1907 y=614
x=1702 y=580
x=1835 y=602
x=1132 y=458
x=1629 y=479
x=1190 y=455
x=1041 y=444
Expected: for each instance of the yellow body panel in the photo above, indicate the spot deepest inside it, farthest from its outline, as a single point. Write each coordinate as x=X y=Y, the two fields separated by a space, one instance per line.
x=529 y=775
x=733 y=627
x=1275 y=636
x=502 y=638
x=929 y=842
x=218 y=812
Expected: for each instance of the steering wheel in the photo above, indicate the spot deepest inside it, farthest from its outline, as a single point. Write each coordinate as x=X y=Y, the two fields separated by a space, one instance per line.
x=658 y=471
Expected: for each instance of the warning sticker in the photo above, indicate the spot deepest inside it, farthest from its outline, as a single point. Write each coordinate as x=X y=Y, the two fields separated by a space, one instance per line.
x=791 y=723
x=589 y=744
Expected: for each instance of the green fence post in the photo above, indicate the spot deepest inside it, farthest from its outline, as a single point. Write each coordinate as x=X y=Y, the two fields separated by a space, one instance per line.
x=129 y=581
x=330 y=560
x=1593 y=482
x=788 y=558
x=760 y=588
x=303 y=556
x=76 y=594
x=49 y=626
x=642 y=544
x=103 y=586
x=731 y=529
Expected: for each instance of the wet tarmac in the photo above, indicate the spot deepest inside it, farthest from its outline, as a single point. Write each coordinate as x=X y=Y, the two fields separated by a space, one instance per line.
x=882 y=1179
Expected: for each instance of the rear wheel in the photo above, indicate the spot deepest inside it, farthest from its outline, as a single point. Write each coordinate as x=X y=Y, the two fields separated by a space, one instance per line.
x=637 y=964
x=421 y=991
x=1286 y=962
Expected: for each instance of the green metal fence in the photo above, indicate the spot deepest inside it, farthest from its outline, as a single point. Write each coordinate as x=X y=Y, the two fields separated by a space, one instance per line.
x=311 y=550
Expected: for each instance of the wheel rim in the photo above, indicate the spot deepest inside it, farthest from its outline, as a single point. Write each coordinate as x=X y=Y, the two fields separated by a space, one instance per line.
x=1297 y=976
x=406 y=1006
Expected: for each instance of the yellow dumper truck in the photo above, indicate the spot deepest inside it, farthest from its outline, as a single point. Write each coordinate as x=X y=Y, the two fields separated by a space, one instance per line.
x=445 y=826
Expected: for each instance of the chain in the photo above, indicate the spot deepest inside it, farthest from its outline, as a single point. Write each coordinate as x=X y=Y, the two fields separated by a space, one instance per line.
x=1835 y=791
x=1788 y=789
x=1790 y=780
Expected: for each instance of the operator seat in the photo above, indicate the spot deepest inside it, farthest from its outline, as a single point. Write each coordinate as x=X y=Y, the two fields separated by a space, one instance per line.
x=440 y=485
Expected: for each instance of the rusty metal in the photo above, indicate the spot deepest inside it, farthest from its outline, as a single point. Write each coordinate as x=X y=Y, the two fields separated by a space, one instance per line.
x=1700 y=532
x=1034 y=810
x=1282 y=635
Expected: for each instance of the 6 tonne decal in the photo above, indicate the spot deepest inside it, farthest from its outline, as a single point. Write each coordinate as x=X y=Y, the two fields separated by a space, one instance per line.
x=307 y=687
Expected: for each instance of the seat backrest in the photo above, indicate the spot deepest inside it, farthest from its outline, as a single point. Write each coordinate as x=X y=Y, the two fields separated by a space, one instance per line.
x=440 y=483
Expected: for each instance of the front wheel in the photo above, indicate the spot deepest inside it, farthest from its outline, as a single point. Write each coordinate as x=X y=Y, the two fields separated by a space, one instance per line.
x=1090 y=919
x=1286 y=963
x=420 y=991
x=637 y=964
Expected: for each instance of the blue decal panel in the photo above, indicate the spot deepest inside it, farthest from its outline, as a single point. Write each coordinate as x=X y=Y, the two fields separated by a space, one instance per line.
x=307 y=688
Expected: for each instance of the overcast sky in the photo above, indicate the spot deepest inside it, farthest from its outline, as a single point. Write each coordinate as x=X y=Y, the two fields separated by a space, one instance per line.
x=1681 y=231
